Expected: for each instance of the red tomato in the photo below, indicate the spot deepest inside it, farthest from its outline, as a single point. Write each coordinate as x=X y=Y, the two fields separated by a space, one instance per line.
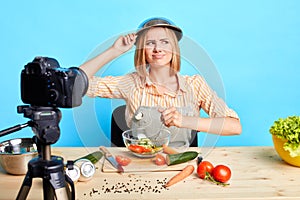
x=136 y=148
x=159 y=159
x=221 y=173
x=203 y=167
x=139 y=149
x=147 y=150
x=122 y=160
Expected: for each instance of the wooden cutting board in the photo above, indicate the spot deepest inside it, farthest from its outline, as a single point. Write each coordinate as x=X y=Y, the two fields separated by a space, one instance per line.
x=139 y=164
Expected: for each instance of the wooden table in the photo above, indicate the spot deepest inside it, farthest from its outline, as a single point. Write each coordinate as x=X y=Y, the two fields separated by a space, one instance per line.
x=257 y=173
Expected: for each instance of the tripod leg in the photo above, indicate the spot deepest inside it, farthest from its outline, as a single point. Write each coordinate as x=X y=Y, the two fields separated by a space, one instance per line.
x=71 y=192
x=61 y=193
x=48 y=190
x=26 y=185
x=58 y=193
x=58 y=185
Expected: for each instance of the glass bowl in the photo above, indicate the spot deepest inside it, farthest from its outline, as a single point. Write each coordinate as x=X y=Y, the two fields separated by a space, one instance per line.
x=15 y=155
x=141 y=145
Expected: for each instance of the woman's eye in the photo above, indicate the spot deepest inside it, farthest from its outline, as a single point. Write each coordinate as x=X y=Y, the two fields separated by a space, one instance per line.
x=151 y=43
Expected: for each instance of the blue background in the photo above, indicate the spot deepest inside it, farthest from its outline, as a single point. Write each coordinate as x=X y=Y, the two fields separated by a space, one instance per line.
x=254 y=46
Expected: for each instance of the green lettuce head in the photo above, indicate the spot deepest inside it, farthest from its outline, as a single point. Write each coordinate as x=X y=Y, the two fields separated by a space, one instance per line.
x=288 y=129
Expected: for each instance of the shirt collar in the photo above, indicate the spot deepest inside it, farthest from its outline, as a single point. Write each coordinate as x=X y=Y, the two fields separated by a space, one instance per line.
x=181 y=81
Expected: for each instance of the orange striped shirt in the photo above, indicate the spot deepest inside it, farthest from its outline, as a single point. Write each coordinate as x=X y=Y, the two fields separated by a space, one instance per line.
x=137 y=91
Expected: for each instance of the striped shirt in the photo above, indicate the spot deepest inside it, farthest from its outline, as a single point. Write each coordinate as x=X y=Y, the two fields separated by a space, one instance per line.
x=137 y=91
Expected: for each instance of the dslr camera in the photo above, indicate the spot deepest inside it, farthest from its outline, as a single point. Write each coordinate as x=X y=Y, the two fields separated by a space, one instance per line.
x=45 y=84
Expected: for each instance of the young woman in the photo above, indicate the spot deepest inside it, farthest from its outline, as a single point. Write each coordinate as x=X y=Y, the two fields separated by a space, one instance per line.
x=156 y=95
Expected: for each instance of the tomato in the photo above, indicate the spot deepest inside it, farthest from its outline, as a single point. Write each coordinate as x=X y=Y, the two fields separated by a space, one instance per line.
x=203 y=167
x=221 y=173
x=122 y=160
x=139 y=149
x=147 y=150
x=159 y=159
x=136 y=148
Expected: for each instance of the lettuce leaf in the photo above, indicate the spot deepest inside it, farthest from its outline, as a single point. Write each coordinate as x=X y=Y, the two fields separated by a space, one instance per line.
x=289 y=130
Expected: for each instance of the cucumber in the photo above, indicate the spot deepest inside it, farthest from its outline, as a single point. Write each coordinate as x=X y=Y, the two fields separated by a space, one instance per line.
x=93 y=157
x=173 y=159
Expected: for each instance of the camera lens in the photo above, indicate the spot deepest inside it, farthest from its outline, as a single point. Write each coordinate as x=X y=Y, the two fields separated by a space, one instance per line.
x=81 y=81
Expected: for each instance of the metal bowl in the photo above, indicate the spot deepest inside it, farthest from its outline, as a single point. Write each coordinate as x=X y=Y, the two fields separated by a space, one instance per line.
x=15 y=155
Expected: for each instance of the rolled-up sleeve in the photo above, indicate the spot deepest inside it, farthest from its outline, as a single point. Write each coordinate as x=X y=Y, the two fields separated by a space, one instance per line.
x=209 y=101
x=110 y=86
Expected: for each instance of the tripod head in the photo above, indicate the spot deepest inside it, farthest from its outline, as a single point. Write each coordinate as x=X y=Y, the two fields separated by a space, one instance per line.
x=44 y=122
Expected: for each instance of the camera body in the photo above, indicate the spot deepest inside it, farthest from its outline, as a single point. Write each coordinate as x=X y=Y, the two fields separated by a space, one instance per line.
x=44 y=83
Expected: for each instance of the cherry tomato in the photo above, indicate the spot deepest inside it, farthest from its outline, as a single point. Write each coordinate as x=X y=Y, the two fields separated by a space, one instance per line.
x=159 y=159
x=122 y=160
x=203 y=167
x=221 y=173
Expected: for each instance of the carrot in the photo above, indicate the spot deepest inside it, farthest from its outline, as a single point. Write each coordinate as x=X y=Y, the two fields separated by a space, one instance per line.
x=169 y=150
x=188 y=170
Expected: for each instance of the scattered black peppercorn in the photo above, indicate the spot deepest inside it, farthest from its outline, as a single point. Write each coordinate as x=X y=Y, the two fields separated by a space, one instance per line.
x=134 y=185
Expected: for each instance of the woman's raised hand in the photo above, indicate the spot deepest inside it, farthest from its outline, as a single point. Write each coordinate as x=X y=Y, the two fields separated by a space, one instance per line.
x=125 y=42
x=171 y=117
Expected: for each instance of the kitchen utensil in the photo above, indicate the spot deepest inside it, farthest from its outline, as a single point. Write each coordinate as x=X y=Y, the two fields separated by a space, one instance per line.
x=15 y=155
x=111 y=159
x=151 y=146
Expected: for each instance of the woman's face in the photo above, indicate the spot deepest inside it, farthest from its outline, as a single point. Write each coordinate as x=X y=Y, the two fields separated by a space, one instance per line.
x=158 y=47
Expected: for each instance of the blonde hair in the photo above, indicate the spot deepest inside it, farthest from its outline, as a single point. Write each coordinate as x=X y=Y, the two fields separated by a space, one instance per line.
x=140 y=61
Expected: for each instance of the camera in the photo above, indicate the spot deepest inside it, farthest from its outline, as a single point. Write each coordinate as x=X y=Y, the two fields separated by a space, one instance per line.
x=46 y=86
x=44 y=83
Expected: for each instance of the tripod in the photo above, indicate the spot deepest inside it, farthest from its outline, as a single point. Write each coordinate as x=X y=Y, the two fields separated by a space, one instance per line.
x=52 y=173
x=44 y=123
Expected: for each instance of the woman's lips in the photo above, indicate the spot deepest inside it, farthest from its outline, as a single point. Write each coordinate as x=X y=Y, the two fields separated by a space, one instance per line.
x=158 y=56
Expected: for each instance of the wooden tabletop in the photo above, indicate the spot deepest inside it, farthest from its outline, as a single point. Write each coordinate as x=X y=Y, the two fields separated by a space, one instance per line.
x=257 y=173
